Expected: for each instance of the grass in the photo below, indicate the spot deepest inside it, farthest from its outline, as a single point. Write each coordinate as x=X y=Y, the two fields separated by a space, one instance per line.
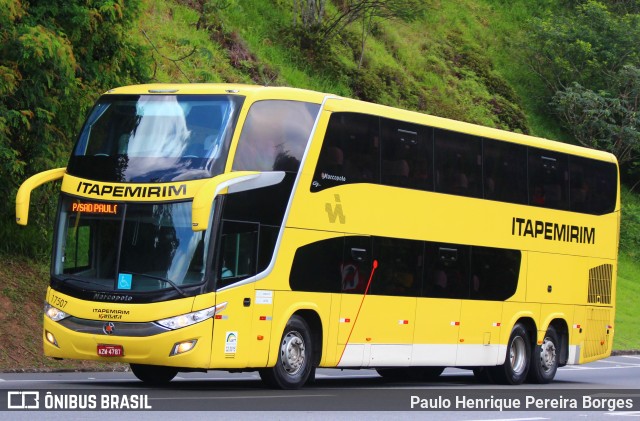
x=627 y=327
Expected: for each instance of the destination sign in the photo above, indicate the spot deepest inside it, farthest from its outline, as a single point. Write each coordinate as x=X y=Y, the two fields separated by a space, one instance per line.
x=104 y=208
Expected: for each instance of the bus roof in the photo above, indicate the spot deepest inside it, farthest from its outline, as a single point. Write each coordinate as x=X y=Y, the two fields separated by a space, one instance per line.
x=341 y=104
x=256 y=92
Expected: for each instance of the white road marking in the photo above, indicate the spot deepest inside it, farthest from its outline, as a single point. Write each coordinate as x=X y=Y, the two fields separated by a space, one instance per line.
x=578 y=367
x=623 y=414
x=512 y=419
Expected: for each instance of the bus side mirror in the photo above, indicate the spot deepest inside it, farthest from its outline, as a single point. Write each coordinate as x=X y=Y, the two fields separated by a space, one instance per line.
x=24 y=192
x=236 y=182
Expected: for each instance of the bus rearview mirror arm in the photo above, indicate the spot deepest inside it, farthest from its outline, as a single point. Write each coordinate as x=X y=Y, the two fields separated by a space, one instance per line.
x=23 y=197
x=236 y=182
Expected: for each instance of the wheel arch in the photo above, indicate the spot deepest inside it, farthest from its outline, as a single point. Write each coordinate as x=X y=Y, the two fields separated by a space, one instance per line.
x=561 y=327
x=529 y=325
x=315 y=325
x=310 y=314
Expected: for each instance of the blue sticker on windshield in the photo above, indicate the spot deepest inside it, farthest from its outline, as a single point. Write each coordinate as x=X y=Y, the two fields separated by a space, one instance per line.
x=124 y=281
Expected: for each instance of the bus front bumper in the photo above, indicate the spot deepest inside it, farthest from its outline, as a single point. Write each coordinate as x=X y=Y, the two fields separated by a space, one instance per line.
x=158 y=349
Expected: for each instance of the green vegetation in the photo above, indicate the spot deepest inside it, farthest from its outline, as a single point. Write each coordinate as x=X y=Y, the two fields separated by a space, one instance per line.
x=627 y=327
x=544 y=67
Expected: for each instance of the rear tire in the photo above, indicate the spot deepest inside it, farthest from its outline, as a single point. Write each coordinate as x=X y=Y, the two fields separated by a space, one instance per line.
x=544 y=358
x=516 y=365
x=153 y=374
x=295 y=357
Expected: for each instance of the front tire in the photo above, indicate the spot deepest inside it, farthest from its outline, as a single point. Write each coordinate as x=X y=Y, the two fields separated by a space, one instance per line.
x=516 y=365
x=153 y=374
x=544 y=359
x=295 y=362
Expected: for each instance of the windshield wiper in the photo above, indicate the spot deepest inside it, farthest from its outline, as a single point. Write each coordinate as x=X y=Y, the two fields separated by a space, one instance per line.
x=160 y=278
x=68 y=277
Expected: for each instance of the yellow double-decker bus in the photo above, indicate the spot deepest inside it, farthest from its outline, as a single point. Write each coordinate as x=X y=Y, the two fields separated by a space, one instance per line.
x=232 y=227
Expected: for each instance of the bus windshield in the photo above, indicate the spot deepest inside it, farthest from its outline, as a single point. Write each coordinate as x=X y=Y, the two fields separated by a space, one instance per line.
x=155 y=138
x=128 y=247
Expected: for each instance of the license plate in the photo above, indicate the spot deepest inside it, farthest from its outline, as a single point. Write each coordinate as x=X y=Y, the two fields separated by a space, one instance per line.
x=110 y=350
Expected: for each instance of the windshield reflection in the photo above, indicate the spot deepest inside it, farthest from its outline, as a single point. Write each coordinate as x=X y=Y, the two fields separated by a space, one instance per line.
x=144 y=247
x=155 y=138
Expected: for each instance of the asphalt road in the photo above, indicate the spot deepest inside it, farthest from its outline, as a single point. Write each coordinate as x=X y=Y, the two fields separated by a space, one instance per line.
x=599 y=390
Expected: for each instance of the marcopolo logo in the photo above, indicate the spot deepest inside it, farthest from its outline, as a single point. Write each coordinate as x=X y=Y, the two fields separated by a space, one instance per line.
x=326 y=176
x=335 y=212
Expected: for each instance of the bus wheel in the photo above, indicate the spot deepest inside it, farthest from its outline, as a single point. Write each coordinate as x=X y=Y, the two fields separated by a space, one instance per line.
x=516 y=365
x=153 y=374
x=544 y=359
x=294 y=359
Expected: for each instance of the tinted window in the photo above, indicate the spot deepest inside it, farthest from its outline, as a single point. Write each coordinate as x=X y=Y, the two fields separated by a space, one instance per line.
x=494 y=273
x=548 y=179
x=360 y=148
x=593 y=185
x=266 y=205
x=458 y=161
x=267 y=242
x=262 y=208
x=447 y=271
x=406 y=268
x=355 y=269
x=334 y=265
x=275 y=135
x=407 y=155
x=505 y=171
x=350 y=152
x=317 y=266
x=400 y=267
x=238 y=252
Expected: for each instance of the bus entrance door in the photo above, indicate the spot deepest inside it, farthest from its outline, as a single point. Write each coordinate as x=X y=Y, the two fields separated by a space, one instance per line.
x=376 y=327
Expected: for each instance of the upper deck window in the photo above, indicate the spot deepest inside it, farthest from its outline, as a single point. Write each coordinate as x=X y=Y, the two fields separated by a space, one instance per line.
x=275 y=136
x=153 y=138
x=361 y=148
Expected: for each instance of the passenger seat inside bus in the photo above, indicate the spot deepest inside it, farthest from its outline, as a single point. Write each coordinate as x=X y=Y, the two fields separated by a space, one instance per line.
x=203 y=125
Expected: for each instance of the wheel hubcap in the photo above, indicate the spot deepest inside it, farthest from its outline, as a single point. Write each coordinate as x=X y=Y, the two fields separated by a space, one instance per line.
x=292 y=353
x=517 y=355
x=547 y=355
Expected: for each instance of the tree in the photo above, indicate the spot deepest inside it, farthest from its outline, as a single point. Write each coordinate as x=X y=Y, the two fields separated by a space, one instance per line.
x=588 y=46
x=603 y=120
x=56 y=57
x=589 y=61
x=313 y=16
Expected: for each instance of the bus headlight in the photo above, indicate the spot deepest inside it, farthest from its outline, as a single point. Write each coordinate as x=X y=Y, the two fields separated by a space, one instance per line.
x=51 y=339
x=189 y=319
x=182 y=347
x=54 y=313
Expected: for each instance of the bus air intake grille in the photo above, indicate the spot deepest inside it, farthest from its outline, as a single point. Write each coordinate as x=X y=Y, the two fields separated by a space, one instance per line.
x=600 y=284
